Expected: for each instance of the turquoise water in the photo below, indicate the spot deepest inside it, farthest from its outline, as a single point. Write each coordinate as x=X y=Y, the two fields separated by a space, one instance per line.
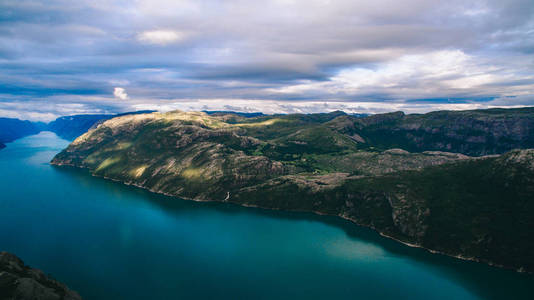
x=110 y=241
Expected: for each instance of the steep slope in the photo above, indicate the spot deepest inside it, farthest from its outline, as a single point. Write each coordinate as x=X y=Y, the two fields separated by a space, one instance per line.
x=71 y=127
x=473 y=132
x=476 y=208
x=12 y=129
x=18 y=281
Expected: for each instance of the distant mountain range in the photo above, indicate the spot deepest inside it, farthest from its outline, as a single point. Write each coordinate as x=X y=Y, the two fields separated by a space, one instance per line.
x=242 y=114
x=260 y=114
x=12 y=129
x=454 y=182
x=68 y=127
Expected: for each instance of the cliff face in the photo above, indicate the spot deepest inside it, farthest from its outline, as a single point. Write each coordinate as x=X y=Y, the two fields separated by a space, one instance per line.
x=477 y=132
x=21 y=282
x=476 y=208
x=71 y=127
x=12 y=129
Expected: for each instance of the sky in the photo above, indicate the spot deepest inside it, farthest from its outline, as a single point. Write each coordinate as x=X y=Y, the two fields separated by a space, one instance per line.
x=62 y=57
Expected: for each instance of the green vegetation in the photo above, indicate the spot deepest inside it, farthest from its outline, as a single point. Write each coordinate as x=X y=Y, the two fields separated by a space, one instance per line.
x=475 y=132
x=356 y=168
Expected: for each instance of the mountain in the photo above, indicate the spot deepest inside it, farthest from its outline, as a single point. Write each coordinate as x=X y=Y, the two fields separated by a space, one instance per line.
x=70 y=127
x=242 y=114
x=476 y=208
x=18 y=281
x=12 y=129
x=473 y=132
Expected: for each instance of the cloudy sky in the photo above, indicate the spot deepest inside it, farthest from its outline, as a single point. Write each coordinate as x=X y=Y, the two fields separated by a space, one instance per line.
x=61 y=57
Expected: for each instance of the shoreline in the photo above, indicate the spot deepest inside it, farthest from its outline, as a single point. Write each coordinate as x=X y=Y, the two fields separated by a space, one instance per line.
x=319 y=213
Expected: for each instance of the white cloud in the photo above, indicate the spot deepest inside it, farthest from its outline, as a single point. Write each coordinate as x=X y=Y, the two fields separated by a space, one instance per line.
x=31 y=115
x=57 y=106
x=120 y=93
x=160 y=37
x=288 y=107
x=333 y=51
x=35 y=110
x=426 y=75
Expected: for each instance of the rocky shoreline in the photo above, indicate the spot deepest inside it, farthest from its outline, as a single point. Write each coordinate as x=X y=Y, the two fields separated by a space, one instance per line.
x=20 y=282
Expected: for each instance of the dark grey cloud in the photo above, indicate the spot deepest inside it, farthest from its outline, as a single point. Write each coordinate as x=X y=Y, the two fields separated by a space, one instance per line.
x=165 y=52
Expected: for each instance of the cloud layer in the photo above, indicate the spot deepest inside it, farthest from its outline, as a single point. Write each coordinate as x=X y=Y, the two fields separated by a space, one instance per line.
x=120 y=93
x=415 y=55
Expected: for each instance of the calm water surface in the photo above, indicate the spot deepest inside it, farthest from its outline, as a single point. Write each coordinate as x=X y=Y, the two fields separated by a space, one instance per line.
x=110 y=241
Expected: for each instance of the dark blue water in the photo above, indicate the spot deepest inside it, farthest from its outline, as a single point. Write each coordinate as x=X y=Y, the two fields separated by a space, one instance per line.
x=110 y=241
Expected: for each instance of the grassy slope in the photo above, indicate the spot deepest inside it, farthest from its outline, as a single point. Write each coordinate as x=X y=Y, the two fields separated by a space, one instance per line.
x=475 y=132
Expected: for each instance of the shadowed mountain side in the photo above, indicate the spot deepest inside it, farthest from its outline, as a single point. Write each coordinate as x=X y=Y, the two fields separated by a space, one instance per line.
x=68 y=127
x=71 y=127
x=12 y=129
x=18 y=281
x=471 y=132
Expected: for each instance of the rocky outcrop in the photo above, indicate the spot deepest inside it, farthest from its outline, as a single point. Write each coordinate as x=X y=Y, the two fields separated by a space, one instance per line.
x=20 y=282
x=475 y=132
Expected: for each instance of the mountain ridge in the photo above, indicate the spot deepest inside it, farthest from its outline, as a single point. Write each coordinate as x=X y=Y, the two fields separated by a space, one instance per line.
x=12 y=129
x=66 y=127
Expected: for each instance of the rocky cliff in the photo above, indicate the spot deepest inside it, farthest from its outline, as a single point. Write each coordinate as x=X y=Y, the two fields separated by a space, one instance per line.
x=20 y=282
x=476 y=208
x=475 y=132
x=12 y=129
x=71 y=127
